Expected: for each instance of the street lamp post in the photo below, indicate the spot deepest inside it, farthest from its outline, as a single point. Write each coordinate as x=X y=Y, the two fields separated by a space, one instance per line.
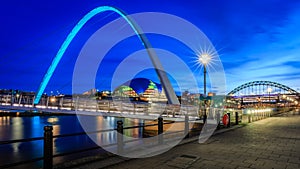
x=204 y=91
x=204 y=80
x=204 y=59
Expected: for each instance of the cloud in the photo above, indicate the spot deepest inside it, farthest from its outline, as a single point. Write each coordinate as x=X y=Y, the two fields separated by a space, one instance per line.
x=271 y=53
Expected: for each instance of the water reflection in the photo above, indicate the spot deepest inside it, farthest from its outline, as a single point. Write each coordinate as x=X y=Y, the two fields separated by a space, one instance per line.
x=18 y=134
x=4 y=121
x=12 y=128
x=35 y=123
x=92 y=123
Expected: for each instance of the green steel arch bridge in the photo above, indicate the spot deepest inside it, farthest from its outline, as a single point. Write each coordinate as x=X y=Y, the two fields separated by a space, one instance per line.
x=261 y=87
x=264 y=93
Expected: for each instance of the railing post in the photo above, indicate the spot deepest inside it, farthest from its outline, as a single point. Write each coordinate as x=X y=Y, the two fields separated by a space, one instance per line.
x=186 y=126
x=20 y=99
x=229 y=121
x=97 y=105
x=260 y=115
x=108 y=106
x=204 y=117
x=12 y=98
x=121 y=107
x=120 y=136
x=61 y=102
x=48 y=147
x=218 y=119
x=47 y=102
x=6 y=101
x=249 y=118
x=160 y=130
x=76 y=103
x=33 y=105
x=134 y=108
x=236 y=118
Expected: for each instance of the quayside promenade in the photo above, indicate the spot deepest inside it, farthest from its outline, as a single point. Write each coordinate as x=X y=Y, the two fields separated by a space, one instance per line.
x=272 y=143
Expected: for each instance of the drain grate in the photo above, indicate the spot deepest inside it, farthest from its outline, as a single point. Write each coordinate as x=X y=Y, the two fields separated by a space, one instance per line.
x=182 y=161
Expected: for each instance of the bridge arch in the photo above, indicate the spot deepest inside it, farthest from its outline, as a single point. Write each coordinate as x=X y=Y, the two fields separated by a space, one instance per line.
x=262 y=86
x=169 y=91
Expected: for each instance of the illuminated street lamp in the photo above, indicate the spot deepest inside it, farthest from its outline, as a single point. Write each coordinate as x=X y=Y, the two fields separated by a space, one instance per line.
x=204 y=59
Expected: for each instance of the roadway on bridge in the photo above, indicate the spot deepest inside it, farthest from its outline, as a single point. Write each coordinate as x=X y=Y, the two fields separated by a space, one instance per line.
x=269 y=143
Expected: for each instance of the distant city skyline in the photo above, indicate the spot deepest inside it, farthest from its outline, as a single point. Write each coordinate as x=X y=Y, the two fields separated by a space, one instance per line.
x=255 y=40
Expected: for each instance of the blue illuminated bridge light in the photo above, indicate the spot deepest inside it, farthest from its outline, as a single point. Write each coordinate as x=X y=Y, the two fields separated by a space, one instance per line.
x=169 y=91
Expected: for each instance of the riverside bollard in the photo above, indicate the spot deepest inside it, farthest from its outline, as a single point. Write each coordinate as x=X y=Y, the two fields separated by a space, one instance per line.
x=236 y=118
x=48 y=147
x=229 y=121
x=160 y=130
x=120 y=136
x=218 y=119
x=204 y=118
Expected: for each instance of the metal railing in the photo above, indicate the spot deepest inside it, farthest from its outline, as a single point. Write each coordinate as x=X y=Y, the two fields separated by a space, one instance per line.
x=48 y=139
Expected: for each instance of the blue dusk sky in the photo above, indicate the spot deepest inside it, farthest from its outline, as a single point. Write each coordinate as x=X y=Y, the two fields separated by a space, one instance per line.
x=255 y=40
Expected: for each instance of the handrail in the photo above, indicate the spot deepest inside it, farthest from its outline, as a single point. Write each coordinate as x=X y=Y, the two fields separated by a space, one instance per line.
x=82 y=133
x=160 y=123
x=21 y=140
x=56 y=155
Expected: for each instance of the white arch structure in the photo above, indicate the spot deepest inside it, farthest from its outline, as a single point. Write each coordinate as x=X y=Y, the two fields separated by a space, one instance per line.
x=169 y=91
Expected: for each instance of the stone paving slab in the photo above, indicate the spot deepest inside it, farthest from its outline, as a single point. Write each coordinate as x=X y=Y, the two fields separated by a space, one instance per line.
x=272 y=143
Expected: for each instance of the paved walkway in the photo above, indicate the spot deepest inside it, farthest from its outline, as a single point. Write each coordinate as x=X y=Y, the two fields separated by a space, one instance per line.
x=269 y=143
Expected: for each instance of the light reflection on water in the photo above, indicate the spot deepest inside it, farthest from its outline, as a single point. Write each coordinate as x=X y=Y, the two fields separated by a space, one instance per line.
x=12 y=128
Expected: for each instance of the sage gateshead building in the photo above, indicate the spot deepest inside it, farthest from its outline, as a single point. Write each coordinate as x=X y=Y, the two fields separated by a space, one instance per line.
x=141 y=89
